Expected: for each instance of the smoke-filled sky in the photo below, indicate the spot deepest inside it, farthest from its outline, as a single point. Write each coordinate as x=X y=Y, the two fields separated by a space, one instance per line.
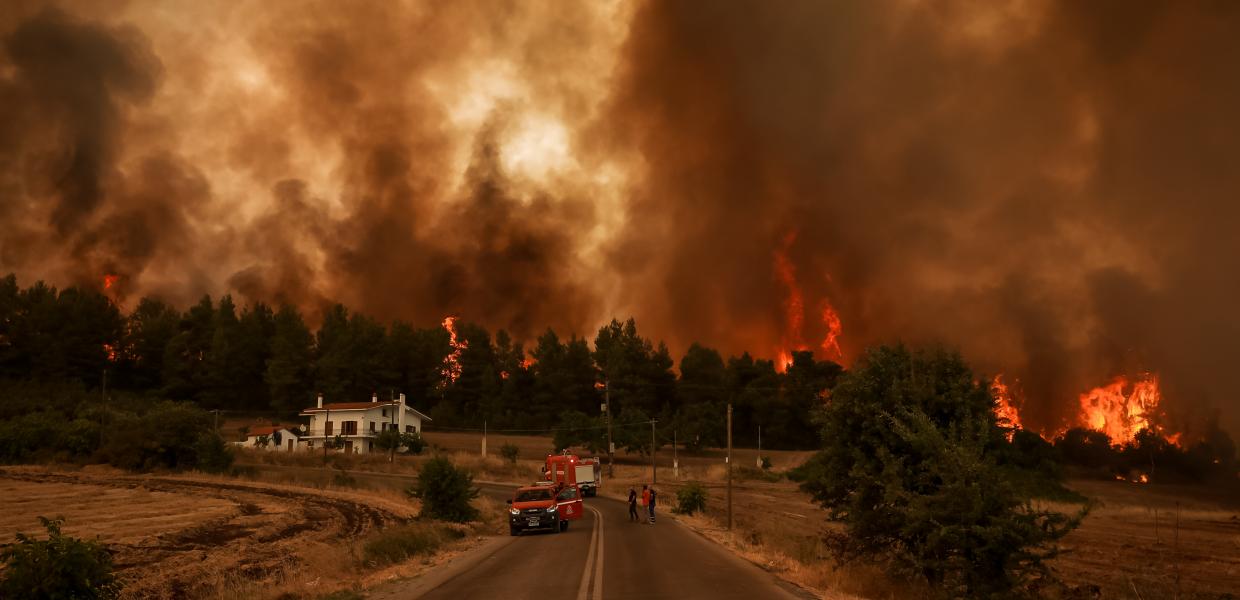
x=1053 y=187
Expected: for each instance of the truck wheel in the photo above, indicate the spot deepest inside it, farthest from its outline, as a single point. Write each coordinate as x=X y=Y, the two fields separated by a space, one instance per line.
x=513 y=531
x=563 y=525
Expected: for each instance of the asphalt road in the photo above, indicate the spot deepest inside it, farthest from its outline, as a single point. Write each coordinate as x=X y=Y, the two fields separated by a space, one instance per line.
x=604 y=555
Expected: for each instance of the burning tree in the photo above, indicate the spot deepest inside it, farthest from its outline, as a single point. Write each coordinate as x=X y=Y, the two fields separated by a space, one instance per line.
x=910 y=466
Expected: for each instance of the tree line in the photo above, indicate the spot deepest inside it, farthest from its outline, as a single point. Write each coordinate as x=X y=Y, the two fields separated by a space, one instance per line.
x=258 y=358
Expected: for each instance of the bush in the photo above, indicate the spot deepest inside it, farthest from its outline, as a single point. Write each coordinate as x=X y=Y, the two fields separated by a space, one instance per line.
x=445 y=492
x=412 y=442
x=766 y=463
x=397 y=544
x=691 y=498
x=58 y=567
x=212 y=454
x=909 y=466
x=169 y=435
x=510 y=452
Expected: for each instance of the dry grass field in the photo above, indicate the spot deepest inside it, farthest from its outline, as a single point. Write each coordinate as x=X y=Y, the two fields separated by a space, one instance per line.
x=198 y=536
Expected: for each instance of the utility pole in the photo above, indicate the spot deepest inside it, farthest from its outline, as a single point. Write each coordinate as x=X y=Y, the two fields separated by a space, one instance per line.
x=654 y=469
x=611 y=446
x=675 y=459
x=392 y=426
x=484 y=438
x=759 y=446
x=729 y=466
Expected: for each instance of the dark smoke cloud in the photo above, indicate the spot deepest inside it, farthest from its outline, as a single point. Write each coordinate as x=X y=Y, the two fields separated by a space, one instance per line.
x=1047 y=185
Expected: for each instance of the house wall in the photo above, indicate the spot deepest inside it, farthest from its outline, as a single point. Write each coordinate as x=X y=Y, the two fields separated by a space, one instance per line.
x=283 y=446
x=362 y=439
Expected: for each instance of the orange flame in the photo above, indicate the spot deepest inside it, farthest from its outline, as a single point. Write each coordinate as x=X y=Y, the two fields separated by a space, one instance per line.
x=1005 y=410
x=111 y=351
x=109 y=280
x=831 y=345
x=794 y=305
x=794 y=313
x=1121 y=415
x=452 y=362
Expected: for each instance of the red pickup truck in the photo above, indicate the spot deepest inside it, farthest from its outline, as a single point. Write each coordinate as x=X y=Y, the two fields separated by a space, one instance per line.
x=544 y=507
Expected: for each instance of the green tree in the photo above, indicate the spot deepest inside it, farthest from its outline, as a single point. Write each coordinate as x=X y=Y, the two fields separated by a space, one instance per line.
x=288 y=371
x=185 y=369
x=150 y=328
x=445 y=491
x=908 y=466
x=703 y=393
x=58 y=567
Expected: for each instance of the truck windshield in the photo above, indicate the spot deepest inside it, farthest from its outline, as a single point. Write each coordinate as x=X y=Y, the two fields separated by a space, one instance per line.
x=533 y=495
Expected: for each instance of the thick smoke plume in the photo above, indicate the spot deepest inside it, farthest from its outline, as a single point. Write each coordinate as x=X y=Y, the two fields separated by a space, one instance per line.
x=1047 y=185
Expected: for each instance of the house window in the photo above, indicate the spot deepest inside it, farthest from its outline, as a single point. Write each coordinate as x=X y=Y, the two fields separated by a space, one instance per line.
x=330 y=427
x=385 y=412
x=372 y=426
x=408 y=428
x=349 y=428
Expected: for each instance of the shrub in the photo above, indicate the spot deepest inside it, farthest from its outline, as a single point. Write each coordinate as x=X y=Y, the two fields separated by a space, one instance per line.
x=58 y=567
x=412 y=442
x=397 y=544
x=766 y=463
x=909 y=466
x=691 y=498
x=510 y=452
x=445 y=492
x=212 y=454
x=167 y=436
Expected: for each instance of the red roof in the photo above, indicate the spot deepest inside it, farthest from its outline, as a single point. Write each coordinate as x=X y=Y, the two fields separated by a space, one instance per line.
x=265 y=430
x=350 y=406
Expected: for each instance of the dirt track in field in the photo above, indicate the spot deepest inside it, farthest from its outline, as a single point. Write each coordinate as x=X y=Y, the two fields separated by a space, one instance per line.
x=183 y=537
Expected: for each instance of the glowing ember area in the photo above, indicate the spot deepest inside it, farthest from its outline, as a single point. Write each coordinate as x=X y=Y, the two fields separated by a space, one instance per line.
x=109 y=281
x=452 y=362
x=111 y=352
x=1005 y=410
x=1120 y=409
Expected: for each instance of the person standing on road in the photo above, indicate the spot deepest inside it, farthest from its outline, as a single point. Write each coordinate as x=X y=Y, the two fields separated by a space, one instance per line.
x=633 y=505
x=646 y=498
x=650 y=506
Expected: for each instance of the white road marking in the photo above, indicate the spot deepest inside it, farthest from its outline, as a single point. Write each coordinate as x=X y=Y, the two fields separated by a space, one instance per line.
x=598 y=565
x=584 y=588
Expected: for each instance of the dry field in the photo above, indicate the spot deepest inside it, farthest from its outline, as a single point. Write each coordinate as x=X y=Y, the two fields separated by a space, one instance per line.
x=1129 y=546
x=198 y=536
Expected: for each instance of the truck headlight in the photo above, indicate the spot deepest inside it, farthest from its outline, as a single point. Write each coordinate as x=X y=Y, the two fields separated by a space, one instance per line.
x=514 y=511
x=551 y=509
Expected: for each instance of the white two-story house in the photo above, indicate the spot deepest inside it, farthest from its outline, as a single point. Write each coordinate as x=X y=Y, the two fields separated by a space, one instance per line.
x=357 y=423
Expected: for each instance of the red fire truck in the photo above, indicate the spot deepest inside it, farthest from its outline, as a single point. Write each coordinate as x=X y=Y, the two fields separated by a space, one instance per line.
x=568 y=468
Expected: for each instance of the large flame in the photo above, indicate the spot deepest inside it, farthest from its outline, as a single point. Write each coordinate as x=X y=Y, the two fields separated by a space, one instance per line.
x=109 y=280
x=794 y=313
x=1122 y=408
x=452 y=362
x=1005 y=410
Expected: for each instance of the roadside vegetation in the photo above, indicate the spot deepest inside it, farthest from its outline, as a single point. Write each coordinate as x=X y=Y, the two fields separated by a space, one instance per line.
x=446 y=492
x=910 y=467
